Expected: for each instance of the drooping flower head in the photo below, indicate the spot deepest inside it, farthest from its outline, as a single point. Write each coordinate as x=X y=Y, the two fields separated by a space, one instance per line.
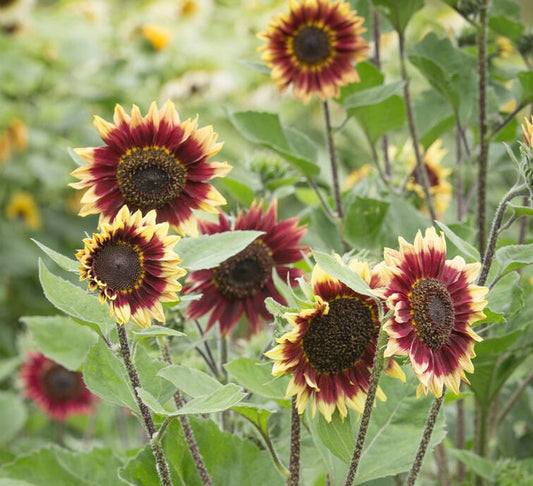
x=313 y=48
x=330 y=349
x=155 y=162
x=132 y=265
x=439 y=186
x=434 y=304
x=241 y=284
x=58 y=391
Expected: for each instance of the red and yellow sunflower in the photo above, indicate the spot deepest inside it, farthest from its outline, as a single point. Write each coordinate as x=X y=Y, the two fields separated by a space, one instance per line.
x=330 y=349
x=313 y=47
x=241 y=284
x=434 y=304
x=58 y=391
x=155 y=162
x=132 y=265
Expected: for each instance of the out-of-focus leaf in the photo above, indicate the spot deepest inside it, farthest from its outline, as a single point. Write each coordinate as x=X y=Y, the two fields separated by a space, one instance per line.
x=469 y=251
x=373 y=96
x=503 y=25
x=363 y=222
x=525 y=78
x=399 y=12
x=481 y=466
x=12 y=417
x=156 y=331
x=191 y=381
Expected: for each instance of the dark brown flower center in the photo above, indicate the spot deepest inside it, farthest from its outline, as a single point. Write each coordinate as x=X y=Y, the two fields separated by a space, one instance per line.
x=433 y=177
x=61 y=384
x=118 y=265
x=311 y=45
x=150 y=177
x=433 y=312
x=336 y=341
x=245 y=273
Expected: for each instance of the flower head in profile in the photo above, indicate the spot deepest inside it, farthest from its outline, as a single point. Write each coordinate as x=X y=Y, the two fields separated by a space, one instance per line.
x=132 y=265
x=22 y=206
x=155 y=162
x=439 y=186
x=330 y=349
x=58 y=391
x=241 y=284
x=313 y=47
x=434 y=304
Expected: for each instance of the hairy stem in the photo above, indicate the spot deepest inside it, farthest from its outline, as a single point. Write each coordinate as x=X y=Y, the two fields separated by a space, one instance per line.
x=441 y=459
x=294 y=461
x=420 y=167
x=426 y=437
x=333 y=162
x=161 y=461
x=377 y=368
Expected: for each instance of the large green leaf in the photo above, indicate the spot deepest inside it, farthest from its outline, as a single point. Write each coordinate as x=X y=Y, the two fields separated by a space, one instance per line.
x=399 y=12
x=148 y=369
x=61 y=467
x=12 y=417
x=69 y=351
x=467 y=250
x=256 y=377
x=513 y=257
x=74 y=301
x=267 y=130
x=191 y=381
x=363 y=222
x=229 y=459
x=106 y=377
x=208 y=251
x=373 y=96
x=525 y=80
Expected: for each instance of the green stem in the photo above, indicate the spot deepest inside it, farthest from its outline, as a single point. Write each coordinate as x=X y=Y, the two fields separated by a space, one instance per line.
x=377 y=368
x=161 y=461
x=333 y=162
x=294 y=461
x=424 y=442
x=421 y=171
x=482 y=63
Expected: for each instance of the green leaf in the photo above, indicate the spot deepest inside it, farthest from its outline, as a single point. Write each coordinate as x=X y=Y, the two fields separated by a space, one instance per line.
x=76 y=158
x=9 y=366
x=431 y=124
x=333 y=267
x=337 y=435
x=157 y=331
x=12 y=417
x=266 y=129
x=256 y=377
x=69 y=351
x=469 y=251
x=148 y=370
x=105 y=376
x=503 y=25
x=363 y=222
x=61 y=467
x=480 y=466
x=399 y=12
x=152 y=402
x=229 y=459
x=521 y=210
x=218 y=401
x=373 y=96
x=208 y=251
x=14 y=482
x=513 y=257
x=74 y=301
x=525 y=78
x=64 y=262
x=191 y=381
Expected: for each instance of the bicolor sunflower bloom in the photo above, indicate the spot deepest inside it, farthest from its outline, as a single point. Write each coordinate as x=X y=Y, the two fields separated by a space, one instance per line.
x=439 y=186
x=155 y=162
x=58 y=391
x=22 y=206
x=313 y=47
x=241 y=284
x=132 y=265
x=434 y=304
x=330 y=349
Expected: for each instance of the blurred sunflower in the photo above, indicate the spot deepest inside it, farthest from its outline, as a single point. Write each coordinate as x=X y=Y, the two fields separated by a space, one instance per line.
x=330 y=349
x=155 y=162
x=22 y=206
x=357 y=175
x=313 y=48
x=131 y=263
x=13 y=13
x=434 y=304
x=439 y=187
x=58 y=391
x=158 y=36
x=241 y=284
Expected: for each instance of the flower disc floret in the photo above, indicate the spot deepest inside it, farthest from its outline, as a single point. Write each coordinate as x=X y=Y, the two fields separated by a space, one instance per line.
x=132 y=265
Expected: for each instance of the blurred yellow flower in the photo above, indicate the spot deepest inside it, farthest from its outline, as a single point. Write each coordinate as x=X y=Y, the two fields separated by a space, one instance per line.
x=22 y=206
x=18 y=134
x=5 y=147
x=504 y=46
x=356 y=175
x=159 y=37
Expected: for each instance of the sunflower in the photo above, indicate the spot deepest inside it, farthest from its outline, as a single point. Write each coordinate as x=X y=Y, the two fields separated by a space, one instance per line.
x=22 y=206
x=434 y=304
x=439 y=187
x=155 y=162
x=330 y=349
x=58 y=391
x=131 y=263
x=158 y=36
x=241 y=284
x=313 y=47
